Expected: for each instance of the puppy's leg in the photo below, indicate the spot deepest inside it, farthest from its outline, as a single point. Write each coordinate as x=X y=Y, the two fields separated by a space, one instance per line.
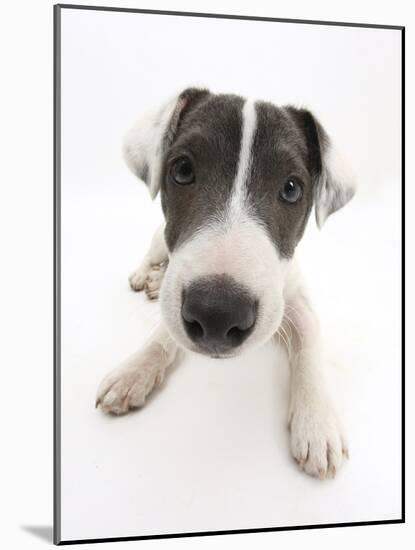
x=317 y=440
x=127 y=386
x=149 y=274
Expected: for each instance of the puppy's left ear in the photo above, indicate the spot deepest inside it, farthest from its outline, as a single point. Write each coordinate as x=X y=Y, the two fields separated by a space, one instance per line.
x=333 y=179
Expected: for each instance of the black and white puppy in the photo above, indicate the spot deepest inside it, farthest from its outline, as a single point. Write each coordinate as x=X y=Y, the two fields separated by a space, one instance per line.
x=238 y=180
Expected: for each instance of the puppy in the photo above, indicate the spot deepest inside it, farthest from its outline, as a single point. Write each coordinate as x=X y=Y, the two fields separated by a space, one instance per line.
x=238 y=180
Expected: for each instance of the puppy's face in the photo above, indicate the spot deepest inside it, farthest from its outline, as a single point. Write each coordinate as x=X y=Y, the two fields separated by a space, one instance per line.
x=238 y=180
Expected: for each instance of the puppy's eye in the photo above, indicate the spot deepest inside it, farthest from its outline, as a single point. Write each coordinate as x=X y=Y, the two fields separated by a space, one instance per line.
x=182 y=171
x=292 y=191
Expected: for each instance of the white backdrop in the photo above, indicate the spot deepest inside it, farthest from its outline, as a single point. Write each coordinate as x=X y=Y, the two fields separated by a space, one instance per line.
x=210 y=451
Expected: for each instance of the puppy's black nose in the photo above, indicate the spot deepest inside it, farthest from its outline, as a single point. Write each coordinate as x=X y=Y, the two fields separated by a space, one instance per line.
x=218 y=313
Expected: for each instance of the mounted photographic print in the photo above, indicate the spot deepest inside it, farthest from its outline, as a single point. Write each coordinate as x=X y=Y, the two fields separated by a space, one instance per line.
x=228 y=274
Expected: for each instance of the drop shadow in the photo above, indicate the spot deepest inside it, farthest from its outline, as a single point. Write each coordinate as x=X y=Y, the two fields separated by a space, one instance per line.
x=44 y=532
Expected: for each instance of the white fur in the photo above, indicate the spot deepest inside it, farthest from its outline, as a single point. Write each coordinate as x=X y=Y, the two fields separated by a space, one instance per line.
x=336 y=185
x=249 y=122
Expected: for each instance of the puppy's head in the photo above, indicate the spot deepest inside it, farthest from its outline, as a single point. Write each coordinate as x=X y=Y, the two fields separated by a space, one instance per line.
x=238 y=180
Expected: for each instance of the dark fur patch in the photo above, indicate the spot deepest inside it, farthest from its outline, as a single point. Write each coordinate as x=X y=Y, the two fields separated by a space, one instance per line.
x=280 y=151
x=208 y=129
x=210 y=134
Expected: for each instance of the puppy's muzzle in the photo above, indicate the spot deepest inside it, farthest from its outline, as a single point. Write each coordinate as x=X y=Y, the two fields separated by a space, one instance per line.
x=218 y=314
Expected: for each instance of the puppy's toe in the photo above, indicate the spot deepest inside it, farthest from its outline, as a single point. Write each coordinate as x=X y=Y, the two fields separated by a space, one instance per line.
x=152 y=294
x=137 y=279
x=152 y=288
x=316 y=464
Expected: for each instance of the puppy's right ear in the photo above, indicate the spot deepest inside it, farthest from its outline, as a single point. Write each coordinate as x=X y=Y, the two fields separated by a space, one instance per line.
x=147 y=141
x=333 y=178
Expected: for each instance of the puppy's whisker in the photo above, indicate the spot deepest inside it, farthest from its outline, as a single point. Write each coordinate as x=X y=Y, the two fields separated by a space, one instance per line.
x=281 y=337
x=290 y=319
x=293 y=333
x=288 y=326
x=286 y=340
x=293 y=309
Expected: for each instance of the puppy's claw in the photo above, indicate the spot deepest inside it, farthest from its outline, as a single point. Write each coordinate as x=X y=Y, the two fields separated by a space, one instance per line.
x=332 y=471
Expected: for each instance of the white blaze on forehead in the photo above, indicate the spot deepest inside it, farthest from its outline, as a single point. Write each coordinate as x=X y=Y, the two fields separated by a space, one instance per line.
x=249 y=124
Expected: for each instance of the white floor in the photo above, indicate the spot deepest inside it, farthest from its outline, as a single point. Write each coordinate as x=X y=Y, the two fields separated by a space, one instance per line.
x=210 y=449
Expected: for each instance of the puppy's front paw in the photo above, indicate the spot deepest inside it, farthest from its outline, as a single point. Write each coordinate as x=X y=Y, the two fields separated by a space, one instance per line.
x=148 y=278
x=138 y=277
x=126 y=388
x=317 y=442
